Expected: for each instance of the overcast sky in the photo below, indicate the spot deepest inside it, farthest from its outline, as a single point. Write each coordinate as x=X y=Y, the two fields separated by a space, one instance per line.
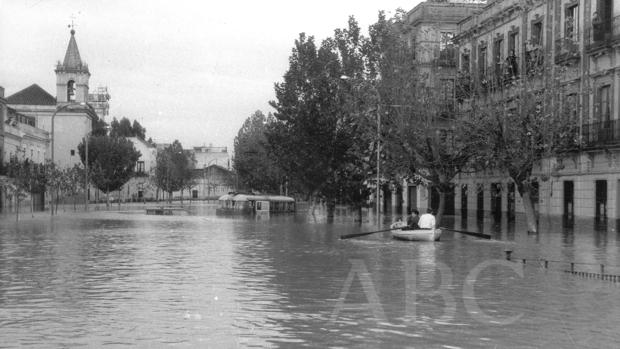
x=186 y=70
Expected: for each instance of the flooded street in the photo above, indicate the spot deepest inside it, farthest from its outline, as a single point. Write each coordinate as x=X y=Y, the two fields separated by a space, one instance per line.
x=128 y=279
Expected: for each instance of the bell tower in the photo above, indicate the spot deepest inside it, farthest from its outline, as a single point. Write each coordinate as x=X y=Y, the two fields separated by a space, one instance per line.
x=72 y=76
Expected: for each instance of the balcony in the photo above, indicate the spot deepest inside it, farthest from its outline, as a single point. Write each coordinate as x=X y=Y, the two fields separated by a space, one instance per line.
x=446 y=57
x=602 y=34
x=601 y=133
x=567 y=50
x=534 y=60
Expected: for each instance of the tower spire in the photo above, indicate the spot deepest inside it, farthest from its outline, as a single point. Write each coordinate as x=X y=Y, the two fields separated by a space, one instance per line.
x=72 y=56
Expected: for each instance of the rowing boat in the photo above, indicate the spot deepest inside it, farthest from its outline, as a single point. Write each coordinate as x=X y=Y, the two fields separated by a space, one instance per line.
x=417 y=234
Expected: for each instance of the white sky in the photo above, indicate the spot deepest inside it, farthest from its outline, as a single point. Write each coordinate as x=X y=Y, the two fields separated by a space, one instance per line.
x=186 y=70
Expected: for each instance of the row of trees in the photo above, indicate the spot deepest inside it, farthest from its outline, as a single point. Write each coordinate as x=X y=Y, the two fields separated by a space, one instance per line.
x=324 y=134
x=111 y=164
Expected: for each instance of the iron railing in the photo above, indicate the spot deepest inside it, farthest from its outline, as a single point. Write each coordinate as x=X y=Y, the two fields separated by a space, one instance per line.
x=602 y=33
x=601 y=133
x=567 y=49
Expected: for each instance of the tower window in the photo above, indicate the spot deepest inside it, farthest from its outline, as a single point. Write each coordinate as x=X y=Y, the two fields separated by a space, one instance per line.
x=71 y=91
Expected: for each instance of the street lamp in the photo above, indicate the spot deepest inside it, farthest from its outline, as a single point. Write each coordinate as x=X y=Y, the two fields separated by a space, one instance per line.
x=378 y=195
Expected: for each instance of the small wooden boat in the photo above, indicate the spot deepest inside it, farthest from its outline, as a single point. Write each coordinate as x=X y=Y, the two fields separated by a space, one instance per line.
x=417 y=234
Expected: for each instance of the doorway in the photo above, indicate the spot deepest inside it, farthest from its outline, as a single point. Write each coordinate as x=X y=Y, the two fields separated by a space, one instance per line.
x=496 y=200
x=464 y=200
x=601 y=199
x=480 y=200
x=569 y=197
x=510 y=202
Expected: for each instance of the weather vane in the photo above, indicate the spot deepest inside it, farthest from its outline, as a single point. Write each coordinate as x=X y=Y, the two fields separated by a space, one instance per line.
x=72 y=25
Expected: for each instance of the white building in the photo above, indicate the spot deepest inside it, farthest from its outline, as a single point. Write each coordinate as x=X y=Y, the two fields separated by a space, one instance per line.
x=68 y=117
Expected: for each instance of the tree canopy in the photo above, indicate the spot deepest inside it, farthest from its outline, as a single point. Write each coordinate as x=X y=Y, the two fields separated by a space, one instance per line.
x=174 y=168
x=111 y=161
x=254 y=163
x=125 y=128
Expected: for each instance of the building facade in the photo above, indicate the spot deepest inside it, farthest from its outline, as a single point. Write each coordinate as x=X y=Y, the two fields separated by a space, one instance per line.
x=431 y=27
x=67 y=117
x=576 y=42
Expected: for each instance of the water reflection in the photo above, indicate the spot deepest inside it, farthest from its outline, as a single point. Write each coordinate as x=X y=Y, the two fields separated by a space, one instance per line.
x=124 y=278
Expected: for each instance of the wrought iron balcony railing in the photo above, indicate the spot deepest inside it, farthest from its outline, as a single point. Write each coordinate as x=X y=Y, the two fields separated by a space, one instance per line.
x=601 y=133
x=567 y=49
x=602 y=33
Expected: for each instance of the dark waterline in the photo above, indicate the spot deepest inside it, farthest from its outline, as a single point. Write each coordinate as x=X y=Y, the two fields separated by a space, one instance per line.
x=127 y=279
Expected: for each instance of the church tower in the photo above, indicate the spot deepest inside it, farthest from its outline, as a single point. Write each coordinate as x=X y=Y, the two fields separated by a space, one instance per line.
x=72 y=76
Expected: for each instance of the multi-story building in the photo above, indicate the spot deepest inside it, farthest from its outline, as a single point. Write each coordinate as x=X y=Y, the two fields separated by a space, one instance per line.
x=429 y=32
x=3 y=112
x=575 y=42
x=100 y=101
x=206 y=156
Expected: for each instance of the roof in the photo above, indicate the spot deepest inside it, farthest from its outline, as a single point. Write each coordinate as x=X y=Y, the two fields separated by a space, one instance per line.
x=32 y=95
x=72 y=57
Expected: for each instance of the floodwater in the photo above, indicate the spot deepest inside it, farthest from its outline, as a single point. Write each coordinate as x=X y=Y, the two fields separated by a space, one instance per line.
x=116 y=279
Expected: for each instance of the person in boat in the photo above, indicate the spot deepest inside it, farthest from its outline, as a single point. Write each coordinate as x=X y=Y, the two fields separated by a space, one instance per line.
x=413 y=219
x=427 y=220
x=398 y=224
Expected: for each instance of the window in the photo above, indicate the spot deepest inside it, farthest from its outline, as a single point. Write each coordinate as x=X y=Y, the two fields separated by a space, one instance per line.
x=446 y=48
x=537 y=33
x=571 y=22
x=571 y=105
x=72 y=152
x=482 y=62
x=71 y=90
x=604 y=110
x=465 y=62
x=497 y=51
x=513 y=39
x=140 y=167
x=602 y=19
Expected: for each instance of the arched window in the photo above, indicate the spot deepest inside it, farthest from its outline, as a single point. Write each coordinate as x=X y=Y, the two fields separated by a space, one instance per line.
x=71 y=91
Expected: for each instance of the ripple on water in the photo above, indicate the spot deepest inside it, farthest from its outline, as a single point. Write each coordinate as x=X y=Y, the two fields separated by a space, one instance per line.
x=129 y=279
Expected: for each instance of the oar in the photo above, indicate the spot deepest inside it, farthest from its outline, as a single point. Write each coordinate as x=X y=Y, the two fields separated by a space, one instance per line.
x=470 y=233
x=348 y=236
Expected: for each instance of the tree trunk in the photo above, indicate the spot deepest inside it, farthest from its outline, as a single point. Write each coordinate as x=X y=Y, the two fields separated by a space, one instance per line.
x=119 y=199
x=17 y=208
x=528 y=206
x=358 y=213
x=331 y=208
x=107 y=200
x=441 y=209
x=57 y=199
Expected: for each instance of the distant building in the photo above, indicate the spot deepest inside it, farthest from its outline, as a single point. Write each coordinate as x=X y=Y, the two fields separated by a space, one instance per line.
x=3 y=116
x=100 y=101
x=69 y=114
x=206 y=156
x=22 y=140
x=141 y=186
